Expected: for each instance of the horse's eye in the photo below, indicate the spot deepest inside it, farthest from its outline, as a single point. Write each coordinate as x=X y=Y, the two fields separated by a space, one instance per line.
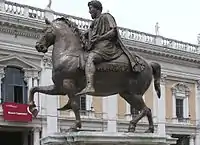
x=49 y=30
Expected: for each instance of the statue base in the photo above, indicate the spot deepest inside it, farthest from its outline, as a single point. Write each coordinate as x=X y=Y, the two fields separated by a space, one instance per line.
x=106 y=138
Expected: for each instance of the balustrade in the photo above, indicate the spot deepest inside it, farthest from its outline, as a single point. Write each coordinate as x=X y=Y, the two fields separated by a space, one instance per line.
x=83 y=24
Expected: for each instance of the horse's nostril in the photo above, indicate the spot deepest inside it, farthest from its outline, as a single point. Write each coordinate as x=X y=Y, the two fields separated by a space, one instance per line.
x=36 y=46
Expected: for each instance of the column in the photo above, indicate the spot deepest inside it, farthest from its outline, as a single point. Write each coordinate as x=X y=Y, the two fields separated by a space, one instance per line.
x=2 y=74
x=89 y=106
x=197 y=137
x=174 y=117
x=31 y=77
x=104 y=107
x=110 y=107
x=88 y=102
x=49 y=102
x=197 y=90
x=191 y=140
x=36 y=136
x=155 y=106
x=36 y=95
x=128 y=111
x=162 y=108
x=186 y=109
x=2 y=5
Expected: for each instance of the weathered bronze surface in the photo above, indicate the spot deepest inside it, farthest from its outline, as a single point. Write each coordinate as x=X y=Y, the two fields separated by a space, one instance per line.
x=95 y=63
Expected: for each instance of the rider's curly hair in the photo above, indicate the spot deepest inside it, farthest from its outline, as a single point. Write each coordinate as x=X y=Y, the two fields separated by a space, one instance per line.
x=96 y=4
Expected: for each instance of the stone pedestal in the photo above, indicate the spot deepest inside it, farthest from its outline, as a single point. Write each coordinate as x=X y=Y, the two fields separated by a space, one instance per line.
x=106 y=138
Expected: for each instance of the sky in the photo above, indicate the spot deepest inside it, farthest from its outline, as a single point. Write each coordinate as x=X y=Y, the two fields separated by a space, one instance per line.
x=178 y=19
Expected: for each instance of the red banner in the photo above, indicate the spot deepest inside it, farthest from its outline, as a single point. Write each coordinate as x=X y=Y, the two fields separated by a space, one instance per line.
x=16 y=112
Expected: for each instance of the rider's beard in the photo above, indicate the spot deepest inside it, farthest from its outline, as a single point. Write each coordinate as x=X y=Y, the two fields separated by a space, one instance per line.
x=93 y=15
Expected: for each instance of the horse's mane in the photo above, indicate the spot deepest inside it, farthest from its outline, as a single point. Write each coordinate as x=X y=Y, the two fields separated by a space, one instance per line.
x=74 y=28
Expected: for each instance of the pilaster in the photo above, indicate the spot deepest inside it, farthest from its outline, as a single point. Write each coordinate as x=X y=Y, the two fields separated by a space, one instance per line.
x=162 y=107
x=2 y=75
x=32 y=78
x=36 y=136
x=192 y=140
x=110 y=111
x=197 y=88
x=49 y=102
x=2 y=5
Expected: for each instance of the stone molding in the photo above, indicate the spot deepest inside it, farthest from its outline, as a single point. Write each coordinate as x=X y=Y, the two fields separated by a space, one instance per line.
x=180 y=88
x=107 y=138
x=31 y=71
x=37 y=129
x=31 y=74
x=17 y=31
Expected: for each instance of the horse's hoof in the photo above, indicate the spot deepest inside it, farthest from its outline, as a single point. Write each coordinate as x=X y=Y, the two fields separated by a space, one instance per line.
x=72 y=129
x=35 y=113
x=33 y=110
x=149 y=131
x=131 y=130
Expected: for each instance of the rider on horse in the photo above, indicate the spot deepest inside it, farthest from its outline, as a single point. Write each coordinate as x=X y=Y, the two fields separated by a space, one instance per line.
x=104 y=44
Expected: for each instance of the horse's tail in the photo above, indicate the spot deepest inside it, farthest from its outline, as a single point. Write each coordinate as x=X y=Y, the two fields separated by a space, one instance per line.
x=157 y=76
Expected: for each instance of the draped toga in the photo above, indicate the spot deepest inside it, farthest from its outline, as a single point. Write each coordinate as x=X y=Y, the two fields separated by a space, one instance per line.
x=111 y=48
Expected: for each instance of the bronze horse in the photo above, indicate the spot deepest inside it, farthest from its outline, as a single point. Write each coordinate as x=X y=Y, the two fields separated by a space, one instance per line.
x=114 y=77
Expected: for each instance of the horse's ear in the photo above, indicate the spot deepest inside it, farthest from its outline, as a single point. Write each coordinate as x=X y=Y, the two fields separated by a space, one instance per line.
x=47 y=21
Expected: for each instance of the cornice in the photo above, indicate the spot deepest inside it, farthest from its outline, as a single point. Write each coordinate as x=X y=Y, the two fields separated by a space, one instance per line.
x=22 y=21
x=155 y=50
x=20 y=26
x=18 y=30
x=7 y=47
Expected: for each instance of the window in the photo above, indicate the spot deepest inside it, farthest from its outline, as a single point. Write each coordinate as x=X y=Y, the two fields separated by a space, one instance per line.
x=179 y=108
x=180 y=95
x=14 y=88
x=83 y=102
x=18 y=94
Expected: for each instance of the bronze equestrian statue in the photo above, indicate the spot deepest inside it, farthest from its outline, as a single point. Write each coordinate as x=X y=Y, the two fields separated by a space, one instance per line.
x=104 y=44
x=99 y=54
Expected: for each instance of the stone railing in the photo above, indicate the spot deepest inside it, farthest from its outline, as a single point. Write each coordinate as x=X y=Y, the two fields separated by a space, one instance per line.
x=83 y=24
x=182 y=121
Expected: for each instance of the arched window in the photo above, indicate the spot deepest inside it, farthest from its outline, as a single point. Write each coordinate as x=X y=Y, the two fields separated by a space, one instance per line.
x=14 y=88
x=180 y=94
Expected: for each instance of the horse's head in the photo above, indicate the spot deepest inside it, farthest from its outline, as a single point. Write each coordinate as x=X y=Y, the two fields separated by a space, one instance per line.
x=64 y=29
x=47 y=39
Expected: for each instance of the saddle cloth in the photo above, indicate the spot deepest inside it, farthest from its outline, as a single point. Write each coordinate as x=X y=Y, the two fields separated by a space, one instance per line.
x=121 y=64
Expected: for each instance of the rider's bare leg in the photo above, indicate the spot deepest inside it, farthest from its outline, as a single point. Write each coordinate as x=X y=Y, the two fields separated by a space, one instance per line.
x=90 y=69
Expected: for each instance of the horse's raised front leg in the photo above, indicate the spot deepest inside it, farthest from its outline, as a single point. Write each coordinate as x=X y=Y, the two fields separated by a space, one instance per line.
x=50 y=90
